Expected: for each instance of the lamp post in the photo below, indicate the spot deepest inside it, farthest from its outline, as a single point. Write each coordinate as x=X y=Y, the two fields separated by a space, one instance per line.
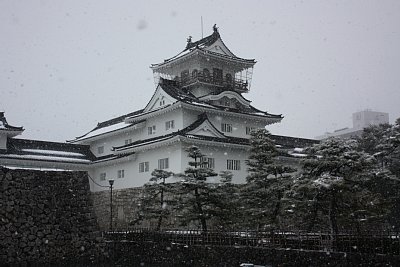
x=111 y=182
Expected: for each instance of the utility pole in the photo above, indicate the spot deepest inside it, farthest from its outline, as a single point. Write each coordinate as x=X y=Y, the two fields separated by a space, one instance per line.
x=111 y=182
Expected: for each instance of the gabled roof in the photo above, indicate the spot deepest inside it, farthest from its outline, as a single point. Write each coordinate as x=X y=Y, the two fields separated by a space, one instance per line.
x=5 y=127
x=204 y=45
x=206 y=41
x=215 y=95
x=188 y=100
x=108 y=126
x=171 y=88
x=188 y=132
x=206 y=128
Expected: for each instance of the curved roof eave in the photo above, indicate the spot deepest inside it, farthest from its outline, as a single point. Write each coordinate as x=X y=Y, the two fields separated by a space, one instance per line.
x=187 y=53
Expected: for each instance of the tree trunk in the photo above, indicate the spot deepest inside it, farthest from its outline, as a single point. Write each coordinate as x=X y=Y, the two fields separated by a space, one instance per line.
x=314 y=214
x=160 y=217
x=277 y=209
x=332 y=215
x=200 y=212
x=332 y=218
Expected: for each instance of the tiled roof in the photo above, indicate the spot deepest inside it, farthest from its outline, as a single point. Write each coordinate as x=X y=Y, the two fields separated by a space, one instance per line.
x=109 y=126
x=171 y=88
x=5 y=126
x=206 y=41
x=293 y=142
x=201 y=45
x=283 y=141
x=47 y=151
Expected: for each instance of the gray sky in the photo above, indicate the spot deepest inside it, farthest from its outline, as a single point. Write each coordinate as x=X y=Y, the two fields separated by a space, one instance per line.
x=66 y=65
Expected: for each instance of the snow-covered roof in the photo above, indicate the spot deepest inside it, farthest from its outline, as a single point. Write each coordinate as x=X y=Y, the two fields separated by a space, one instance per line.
x=205 y=46
x=46 y=157
x=22 y=149
x=109 y=126
x=186 y=99
x=7 y=128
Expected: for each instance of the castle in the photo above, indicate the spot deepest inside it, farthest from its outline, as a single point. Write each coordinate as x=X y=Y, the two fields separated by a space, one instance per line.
x=198 y=101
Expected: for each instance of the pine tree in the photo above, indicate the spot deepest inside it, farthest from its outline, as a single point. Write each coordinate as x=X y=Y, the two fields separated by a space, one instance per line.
x=266 y=182
x=333 y=189
x=197 y=204
x=224 y=200
x=383 y=142
x=155 y=204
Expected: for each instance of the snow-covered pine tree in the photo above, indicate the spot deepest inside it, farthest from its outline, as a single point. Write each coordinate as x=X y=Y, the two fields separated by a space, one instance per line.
x=383 y=142
x=266 y=182
x=197 y=204
x=333 y=190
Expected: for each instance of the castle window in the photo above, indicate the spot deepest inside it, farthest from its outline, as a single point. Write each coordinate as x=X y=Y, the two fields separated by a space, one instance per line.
x=226 y=127
x=121 y=173
x=249 y=130
x=128 y=141
x=169 y=125
x=233 y=164
x=144 y=166
x=100 y=150
x=217 y=75
x=184 y=76
x=103 y=176
x=151 y=130
x=163 y=164
x=195 y=73
x=208 y=162
x=228 y=78
x=206 y=74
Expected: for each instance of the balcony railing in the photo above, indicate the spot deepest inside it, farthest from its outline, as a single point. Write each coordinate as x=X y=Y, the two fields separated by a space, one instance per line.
x=230 y=84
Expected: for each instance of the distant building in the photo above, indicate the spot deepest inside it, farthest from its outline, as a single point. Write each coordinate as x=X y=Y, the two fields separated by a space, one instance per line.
x=361 y=120
x=198 y=101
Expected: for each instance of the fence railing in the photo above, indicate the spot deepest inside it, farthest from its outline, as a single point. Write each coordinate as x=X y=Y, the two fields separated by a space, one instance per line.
x=381 y=242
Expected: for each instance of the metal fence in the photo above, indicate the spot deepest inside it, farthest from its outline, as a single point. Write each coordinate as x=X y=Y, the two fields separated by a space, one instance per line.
x=377 y=242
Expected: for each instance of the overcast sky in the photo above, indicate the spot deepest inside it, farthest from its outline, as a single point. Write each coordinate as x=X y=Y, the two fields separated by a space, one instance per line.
x=66 y=65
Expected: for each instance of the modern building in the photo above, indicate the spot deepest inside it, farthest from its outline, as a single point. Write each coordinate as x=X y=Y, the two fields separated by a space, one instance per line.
x=198 y=100
x=361 y=120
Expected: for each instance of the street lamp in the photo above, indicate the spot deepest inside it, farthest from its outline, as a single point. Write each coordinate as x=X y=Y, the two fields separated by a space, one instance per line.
x=111 y=182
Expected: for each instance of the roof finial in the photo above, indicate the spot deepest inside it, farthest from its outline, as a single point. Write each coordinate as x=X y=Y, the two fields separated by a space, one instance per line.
x=189 y=40
x=215 y=28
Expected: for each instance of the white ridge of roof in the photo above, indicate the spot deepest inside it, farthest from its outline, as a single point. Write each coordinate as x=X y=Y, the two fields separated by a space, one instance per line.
x=106 y=129
x=37 y=168
x=52 y=158
x=54 y=152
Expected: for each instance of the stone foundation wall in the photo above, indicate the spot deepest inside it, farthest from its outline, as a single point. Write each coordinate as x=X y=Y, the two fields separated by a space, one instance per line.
x=125 y=207
x=47 y=217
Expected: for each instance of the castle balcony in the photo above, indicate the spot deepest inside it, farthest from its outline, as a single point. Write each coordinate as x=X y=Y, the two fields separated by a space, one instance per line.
x=227 y=82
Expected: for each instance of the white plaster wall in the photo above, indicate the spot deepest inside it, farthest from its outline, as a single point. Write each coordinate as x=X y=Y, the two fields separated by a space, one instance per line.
x=189 y=116
x=221 y=155
x=139 y=134
x=159 y=122
x=131 y=168
x=114 y=140
x=238 y=125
